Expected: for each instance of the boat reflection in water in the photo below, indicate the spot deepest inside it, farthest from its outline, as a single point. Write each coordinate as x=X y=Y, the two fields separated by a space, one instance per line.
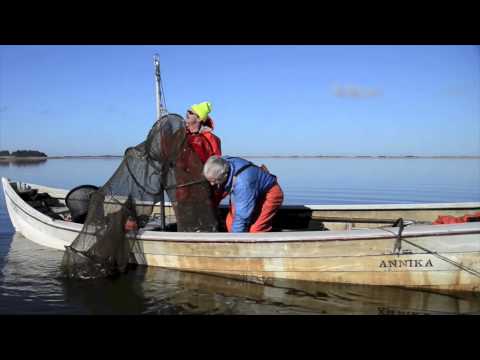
x=149 y=290
x=202 y=293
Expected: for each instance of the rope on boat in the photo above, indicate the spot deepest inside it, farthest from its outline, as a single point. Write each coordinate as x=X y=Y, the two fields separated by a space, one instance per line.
x=397 y=246
x=450 y=261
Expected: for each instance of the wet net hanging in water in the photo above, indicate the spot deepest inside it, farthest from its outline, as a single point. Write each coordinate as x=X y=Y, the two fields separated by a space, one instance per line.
x=164 y=162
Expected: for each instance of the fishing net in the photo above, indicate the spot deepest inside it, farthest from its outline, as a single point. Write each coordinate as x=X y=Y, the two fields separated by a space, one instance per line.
x=133 y=197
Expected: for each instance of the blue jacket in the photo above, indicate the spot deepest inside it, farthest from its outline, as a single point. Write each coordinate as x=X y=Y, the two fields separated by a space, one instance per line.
x=251 y=184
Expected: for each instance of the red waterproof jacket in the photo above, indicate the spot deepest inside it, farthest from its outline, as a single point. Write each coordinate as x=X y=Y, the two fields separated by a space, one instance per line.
x=205 y=143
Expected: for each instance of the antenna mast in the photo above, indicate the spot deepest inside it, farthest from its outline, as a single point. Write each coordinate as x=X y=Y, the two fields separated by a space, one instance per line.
x=160 y=98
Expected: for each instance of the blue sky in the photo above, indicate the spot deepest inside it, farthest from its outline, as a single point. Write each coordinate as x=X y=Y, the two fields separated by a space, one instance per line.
x=267 y=100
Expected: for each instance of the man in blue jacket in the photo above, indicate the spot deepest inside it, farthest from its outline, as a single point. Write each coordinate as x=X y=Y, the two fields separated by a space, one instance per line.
x=256 y=193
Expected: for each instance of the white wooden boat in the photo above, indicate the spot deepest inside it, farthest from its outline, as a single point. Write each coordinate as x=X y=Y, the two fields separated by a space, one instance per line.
x=360 y=248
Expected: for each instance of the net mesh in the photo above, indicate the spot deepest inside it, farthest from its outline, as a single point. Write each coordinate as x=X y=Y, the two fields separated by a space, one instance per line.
x=164 y=162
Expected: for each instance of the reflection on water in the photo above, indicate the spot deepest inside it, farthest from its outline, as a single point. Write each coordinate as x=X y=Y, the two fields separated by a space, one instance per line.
x=27 y=162
x=22 y=162
x=207 y=294
x=32 y=284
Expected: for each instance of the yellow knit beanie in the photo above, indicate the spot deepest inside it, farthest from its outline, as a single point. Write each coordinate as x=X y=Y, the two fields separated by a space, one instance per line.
x=202 y=110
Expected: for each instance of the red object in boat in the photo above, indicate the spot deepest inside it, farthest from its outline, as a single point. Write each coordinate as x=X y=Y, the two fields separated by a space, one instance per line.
x=448 y=219
x=131 y=225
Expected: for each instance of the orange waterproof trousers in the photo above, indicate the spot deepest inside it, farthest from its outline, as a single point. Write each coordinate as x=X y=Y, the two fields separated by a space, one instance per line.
x=266 y=209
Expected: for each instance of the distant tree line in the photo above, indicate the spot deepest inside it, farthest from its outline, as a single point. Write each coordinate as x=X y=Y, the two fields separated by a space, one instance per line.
x=23 y=153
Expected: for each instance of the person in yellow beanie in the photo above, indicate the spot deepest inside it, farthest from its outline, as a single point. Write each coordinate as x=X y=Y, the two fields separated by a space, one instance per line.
x=200 y=131
x=200 y=136
x=202 y=110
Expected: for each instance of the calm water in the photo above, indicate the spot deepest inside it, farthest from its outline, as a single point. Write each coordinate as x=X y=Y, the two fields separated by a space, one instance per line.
x=29 y=273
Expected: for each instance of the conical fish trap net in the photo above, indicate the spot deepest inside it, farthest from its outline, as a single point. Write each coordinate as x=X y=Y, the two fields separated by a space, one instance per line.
x=164 y=162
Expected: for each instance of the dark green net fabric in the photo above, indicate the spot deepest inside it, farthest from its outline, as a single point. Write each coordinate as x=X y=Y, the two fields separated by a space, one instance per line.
x=163 y=163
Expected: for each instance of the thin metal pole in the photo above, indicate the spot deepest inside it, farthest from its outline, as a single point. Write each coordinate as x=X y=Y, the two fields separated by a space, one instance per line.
x=160 y=99
x=160 y=112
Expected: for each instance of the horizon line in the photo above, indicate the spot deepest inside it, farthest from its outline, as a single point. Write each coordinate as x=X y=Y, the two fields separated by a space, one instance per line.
x=280 y=156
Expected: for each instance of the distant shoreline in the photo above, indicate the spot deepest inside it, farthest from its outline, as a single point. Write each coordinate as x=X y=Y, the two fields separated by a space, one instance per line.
x=22 y=158
x=40 y=158
x=35 y=158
